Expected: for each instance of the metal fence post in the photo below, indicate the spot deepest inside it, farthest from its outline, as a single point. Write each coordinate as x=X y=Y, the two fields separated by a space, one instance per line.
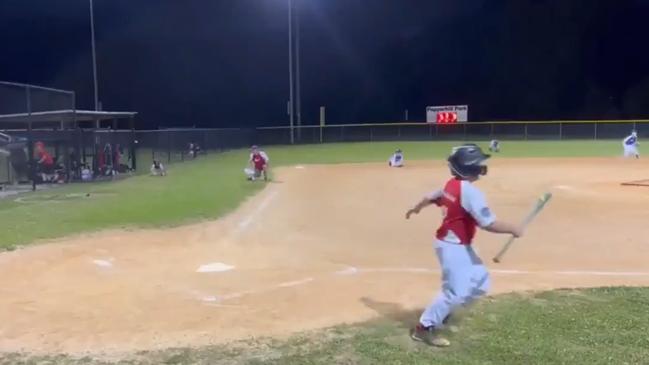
x=168 y=146
x=371 y=134
x=204 y=146
x=560 y=131
x=525 y=131
x=595 y=130
x=82 y=140
x=30 y=141
x=464 y=131
x=133 y=145
x=430 y=130
x=491 y=131
x=322 y=121
x=10 y=179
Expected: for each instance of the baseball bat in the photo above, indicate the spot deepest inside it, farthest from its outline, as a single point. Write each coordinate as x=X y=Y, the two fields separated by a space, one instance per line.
x=535 y=211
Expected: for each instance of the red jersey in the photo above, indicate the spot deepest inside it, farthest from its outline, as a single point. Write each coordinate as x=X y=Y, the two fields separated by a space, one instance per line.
x=464 y=208
x=46 y=157
x=258 y=160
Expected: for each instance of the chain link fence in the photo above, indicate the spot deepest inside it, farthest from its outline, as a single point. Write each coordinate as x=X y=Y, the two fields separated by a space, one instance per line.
x=177 y=145
x=477 y=131
x=22 y=100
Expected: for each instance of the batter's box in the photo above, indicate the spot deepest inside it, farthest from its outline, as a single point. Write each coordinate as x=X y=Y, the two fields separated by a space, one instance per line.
x=644 y=182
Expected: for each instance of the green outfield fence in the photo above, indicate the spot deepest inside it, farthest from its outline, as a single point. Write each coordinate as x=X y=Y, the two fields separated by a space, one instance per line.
x=475 y=131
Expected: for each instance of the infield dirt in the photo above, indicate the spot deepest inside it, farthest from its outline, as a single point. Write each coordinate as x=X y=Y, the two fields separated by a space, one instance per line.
x=313 y=250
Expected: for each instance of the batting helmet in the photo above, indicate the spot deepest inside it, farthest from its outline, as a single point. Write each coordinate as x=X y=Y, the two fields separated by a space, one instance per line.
x=468 y=160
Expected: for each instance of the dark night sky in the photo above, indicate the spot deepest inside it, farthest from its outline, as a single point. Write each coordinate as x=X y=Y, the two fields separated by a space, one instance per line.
x=220 y=63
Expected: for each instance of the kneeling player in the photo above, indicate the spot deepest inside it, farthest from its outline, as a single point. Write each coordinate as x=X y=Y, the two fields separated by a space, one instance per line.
x=259 y=164
x=158 y=169
x=494 y=146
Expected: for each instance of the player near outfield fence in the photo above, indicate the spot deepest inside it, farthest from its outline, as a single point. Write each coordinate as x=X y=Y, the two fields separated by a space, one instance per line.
x=494 y=145
x=464 y=207
x=396 y=160
x=630 y=144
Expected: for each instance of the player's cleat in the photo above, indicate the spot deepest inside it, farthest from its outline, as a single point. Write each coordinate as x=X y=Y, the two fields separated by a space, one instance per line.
x=428 y=335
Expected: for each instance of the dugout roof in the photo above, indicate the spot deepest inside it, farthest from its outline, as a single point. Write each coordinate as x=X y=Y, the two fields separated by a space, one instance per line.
x=64 y=116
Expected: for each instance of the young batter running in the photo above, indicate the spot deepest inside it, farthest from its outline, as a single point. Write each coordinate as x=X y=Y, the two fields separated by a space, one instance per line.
x=464 y=276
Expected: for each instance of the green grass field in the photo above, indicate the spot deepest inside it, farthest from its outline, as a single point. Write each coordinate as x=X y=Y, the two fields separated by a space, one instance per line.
x=210 y=187
x=591 y=326
x=594 y=326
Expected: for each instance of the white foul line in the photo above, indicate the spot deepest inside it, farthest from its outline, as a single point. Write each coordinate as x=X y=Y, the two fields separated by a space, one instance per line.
x=243 y=225
x=295 y=283
x=573 y=273
x=288 y=284
x=351 y=270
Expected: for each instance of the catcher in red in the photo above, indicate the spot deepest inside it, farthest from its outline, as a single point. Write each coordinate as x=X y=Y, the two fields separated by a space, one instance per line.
x=258 y=164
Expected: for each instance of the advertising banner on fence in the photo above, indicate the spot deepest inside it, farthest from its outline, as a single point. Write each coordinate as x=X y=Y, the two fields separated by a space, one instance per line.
x=447 y=114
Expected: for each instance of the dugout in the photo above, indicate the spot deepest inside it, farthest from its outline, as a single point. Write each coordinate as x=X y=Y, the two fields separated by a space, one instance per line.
x=73 y=138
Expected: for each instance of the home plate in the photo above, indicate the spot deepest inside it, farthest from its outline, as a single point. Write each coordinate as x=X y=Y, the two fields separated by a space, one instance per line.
x=348 y=271
x=215 y=267
x=102 y=263
x=564 y=187
x=210 y=299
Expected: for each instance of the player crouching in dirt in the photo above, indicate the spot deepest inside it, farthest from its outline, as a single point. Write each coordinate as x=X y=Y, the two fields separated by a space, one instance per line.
x=258 y=164
x=465 y=277
x=396 y=160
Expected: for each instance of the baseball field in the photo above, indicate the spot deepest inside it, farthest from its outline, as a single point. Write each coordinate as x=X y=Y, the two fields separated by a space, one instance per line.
x=319 y=266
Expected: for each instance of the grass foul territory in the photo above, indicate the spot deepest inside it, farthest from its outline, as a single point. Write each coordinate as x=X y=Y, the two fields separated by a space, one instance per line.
x=558 y=327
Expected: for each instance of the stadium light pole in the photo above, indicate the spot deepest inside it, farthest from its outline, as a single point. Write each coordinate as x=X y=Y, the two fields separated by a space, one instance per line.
x=94 y=57
x=295 y=103
x=298 y=104
x=290 y=69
